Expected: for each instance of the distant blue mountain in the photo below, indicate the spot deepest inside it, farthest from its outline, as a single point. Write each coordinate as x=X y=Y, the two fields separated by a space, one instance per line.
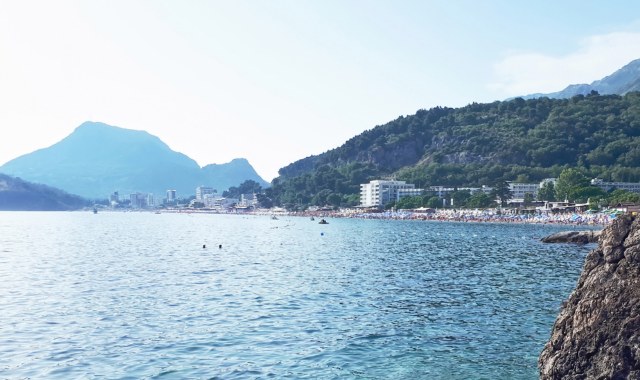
x=624 y=80
x=98 y=159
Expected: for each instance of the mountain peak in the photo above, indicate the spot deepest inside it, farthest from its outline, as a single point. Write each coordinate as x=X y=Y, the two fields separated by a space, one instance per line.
x=98 y=129
x=97 y=159
x=623 y=80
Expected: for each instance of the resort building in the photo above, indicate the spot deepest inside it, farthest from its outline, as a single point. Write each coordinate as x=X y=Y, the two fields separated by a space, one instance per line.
x=519 y=190
x=414 y=192
x=201 y=191
x=378 y=193
x=215 y=202
x=248 y=200
x=633 y=187
x=443 y=192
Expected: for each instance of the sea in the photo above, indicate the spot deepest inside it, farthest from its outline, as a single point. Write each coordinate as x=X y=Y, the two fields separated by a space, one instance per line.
x=139 y=295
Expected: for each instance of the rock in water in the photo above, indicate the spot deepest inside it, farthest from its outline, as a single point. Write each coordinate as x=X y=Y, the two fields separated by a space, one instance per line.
x=578 y=237
x=597 y=334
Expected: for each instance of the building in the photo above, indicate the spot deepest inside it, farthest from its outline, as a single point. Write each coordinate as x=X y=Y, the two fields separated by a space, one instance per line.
x=171 y=196
x=414 y=192
x=519 y=190
x=151 y=200
x=248 y=200
x=114 y=198
x=443 y=192
x=378 y=193
x=633 y=187
x=138 y=200
x=201 y=191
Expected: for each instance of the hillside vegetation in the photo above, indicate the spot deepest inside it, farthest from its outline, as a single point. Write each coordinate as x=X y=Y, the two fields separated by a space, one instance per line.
x=19 y=195
x=479 y=144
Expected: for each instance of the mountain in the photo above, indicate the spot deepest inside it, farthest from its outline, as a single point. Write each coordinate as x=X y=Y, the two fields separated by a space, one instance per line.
x=98 y=159
x=475 y=145
x=230 y=174
x=19 y=195
x=624 y=80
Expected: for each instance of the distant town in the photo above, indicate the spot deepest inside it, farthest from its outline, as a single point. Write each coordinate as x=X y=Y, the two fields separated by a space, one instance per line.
x=377 y=194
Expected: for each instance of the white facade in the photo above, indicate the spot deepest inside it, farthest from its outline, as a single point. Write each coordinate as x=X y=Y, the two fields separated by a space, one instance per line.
x=442 y=191
x=519 y=190
x=218 y=203
x=379 y=192
x=201 y=191
x=402 y=193
x=248 y=200
x=633 y=187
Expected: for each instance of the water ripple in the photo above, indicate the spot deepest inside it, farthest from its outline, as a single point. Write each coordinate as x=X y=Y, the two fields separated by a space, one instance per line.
x=135 y=296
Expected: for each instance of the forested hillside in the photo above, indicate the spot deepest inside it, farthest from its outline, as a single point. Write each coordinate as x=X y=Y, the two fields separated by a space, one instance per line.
x=480 y=144
x=19 y=195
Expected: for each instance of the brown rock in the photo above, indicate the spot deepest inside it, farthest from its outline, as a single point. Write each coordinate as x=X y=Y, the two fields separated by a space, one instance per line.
x=578 y=237
x=597 y=334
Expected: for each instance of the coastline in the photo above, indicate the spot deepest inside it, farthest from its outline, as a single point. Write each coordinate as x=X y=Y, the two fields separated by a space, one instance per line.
x=583 y=219
x=601 y=219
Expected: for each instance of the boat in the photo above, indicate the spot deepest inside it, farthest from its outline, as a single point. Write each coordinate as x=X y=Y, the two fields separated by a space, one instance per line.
x=95 y=210
x=322 y=221
x=273 y=217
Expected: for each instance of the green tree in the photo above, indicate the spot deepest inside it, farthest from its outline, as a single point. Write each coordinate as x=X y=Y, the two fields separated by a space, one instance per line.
x=334 y=200
x=460 y=198
x=528 y=199
x=622 y=196
x=434 y=202
x=264 y=201
x=502 y=192
x=247 y=187
x=409 y=202
x=479 y=200
x=569 y=182
x=588 y=193
x=547 y=192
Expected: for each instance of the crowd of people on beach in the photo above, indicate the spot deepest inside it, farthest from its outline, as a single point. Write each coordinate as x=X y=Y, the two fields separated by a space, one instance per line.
x=480 y=216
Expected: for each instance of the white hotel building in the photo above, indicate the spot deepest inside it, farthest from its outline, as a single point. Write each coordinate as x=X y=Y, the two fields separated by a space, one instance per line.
x=379 y=192
x=633 y=187
x=520 y=190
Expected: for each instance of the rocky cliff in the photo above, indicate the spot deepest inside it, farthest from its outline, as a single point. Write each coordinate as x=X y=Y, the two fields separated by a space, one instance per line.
x=597 y=334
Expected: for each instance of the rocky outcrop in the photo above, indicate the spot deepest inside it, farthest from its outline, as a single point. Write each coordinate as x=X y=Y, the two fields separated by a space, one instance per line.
x=578 y=237
x=597 y=334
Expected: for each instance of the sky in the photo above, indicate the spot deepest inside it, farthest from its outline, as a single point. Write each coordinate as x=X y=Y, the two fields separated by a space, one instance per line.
x=279 y=80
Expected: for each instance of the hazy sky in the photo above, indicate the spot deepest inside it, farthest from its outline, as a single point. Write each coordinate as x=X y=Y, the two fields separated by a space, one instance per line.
x=276 y=81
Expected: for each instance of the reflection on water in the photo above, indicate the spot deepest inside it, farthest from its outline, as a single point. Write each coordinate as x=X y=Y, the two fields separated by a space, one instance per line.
x=135 y=295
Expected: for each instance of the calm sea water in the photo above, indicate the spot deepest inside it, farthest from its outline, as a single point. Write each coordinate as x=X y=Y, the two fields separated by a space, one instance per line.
x=135 y=296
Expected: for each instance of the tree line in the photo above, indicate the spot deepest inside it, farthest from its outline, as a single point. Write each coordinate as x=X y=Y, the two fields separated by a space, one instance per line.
x=571 y=186
x=479 y=144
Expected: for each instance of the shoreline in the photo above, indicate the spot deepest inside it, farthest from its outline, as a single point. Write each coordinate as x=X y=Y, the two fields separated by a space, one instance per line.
x=577 y=219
